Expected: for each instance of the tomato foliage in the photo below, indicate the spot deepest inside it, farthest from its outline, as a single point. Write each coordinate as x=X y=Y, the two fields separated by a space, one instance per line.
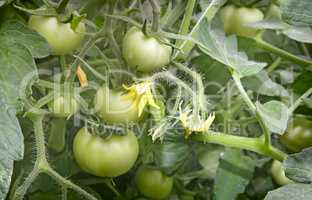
x=155 y=99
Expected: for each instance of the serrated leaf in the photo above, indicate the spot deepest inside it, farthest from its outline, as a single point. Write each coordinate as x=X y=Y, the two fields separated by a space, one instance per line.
x=20 y=34
x=233 y=175
x=299 y=33
x=275 y=115
x=297 y=12
x=293 y=191
x=271 y=23
x=214 y=43
x=298 y=166
x=262 y=84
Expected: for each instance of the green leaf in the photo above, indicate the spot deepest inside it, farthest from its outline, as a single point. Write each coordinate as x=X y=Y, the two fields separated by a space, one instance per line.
x=298 y=166
x=275 y=115
x=303 y=82
x=233 y=175
x=171 y=153
x=291 y=192
x=299 y=33
x=262 y=84
x=214 y=43
x=11 y=145
x=18 y=33
x=297 y=12
x=271 y=23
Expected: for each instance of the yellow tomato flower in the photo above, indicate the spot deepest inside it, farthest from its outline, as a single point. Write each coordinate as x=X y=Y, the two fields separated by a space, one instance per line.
x=195 y=123
x=142 y=95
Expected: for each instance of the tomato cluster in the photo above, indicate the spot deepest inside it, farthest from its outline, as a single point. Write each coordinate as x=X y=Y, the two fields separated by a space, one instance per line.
x=236 y=20
x=115 y=155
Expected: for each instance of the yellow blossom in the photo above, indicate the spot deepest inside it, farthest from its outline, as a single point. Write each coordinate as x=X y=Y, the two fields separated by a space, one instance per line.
x=141 y=94
x=195 y=123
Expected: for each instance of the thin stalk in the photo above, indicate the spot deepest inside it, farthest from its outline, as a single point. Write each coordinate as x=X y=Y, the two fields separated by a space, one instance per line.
x=274 y=65
x=156 y=15
x=282 y=53
x=251 y=144
x=185 y=25
x=267 y=133
x=299 y=101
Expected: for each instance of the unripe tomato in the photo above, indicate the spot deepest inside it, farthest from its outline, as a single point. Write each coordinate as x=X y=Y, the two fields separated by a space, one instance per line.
x=235 y=20
x=61 y=37
x=274 y=12
x=64 y=105
x=152 y=183
x=226 y=14
x=298 y=135
x=278 y=173
x=144 y=53
x=109 y=157
x=114 y=108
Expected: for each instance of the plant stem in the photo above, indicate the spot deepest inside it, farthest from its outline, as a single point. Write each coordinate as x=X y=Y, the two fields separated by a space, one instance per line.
x=185 y=25
x=273 y=66
x=267 y=133
x=208 y=14
x=156 y=15
x=299 y=101
x=252 y=144
x=296 y=59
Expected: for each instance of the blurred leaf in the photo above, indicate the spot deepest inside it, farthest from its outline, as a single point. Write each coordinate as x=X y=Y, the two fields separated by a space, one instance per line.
x=11 y=145
x=233 y=175
x=291 y=192
x=303 y=82
x=297 y=12
x=18 y=33
x=262 y=84
x=215 y=73
x=271 y=23
x=171 y=153
x=298 y=166
x=275 y=115
x=224 y=49
x=299 y=33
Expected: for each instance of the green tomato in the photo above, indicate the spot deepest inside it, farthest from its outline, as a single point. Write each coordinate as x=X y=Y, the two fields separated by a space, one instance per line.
x=235 y=20
x=114 y=108
x=109 y=157
x=61 y=37
x=152 y=183
x=64 y=106
x=298 y=135
x=274 y=12
x=278 y=173
x=144 y=53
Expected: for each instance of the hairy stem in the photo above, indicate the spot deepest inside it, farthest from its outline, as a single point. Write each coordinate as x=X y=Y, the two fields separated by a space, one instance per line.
x=251 y=144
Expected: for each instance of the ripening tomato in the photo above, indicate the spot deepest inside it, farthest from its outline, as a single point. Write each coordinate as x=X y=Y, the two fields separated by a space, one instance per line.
x=235 y=20
x=61 y=37
x=152 y=183
x=145 y=53
x=114 y=108
x=109 y=157
x=298 y=135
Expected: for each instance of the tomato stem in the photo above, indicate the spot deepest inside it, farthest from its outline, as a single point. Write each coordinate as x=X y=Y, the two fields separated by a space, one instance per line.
x=267 y=133
x=253 y=144
x=266 y=46
x=156 y=15
x=299 y=101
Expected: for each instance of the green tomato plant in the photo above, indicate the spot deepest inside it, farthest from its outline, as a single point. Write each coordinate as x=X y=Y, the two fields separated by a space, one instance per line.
x=165 y=103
